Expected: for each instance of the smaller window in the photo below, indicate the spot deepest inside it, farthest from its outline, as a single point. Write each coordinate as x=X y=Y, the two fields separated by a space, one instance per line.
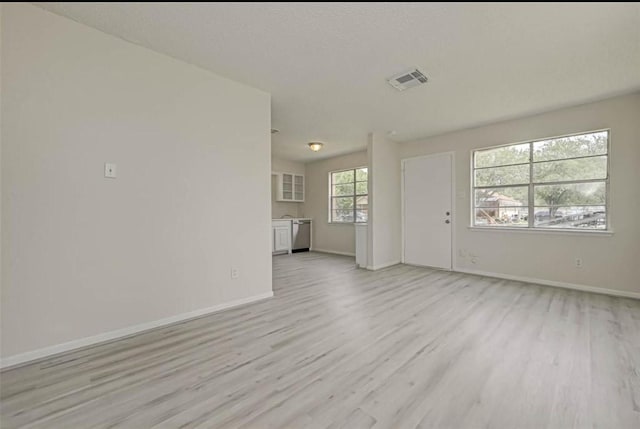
x=348 y=196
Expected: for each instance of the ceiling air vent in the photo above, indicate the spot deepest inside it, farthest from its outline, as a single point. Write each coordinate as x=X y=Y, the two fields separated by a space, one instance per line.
x=407 y=80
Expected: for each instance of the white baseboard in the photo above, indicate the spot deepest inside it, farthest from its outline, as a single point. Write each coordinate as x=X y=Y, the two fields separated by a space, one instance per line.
x=565 y=285
x=333 y=252
x=23 y=358
x=385 y=265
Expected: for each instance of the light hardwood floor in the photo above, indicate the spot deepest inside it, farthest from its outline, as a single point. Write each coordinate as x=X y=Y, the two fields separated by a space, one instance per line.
x=337 y=347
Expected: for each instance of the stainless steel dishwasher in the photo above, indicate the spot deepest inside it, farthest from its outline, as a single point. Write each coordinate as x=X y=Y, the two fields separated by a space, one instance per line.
x=301 y=235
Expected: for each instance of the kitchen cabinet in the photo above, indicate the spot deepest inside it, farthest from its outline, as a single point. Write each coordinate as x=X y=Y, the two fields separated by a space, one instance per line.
x=281 y=236
x=290 y=187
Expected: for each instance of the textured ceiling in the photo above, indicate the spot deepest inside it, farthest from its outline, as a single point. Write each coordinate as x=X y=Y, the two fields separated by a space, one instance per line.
x=326 y=64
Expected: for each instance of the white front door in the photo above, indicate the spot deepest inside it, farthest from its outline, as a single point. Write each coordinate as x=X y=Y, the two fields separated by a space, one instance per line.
x=428 y=217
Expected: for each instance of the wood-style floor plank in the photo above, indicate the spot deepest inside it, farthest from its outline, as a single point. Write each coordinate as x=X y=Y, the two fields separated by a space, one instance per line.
x=338 y=347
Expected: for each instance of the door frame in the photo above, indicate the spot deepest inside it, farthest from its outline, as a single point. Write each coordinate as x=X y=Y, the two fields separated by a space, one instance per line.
x=452 y=157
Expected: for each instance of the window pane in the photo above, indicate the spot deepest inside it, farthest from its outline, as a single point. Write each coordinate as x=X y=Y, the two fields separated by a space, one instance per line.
x=346 y=189
x=571 y=147
x=361 y=188
x=342 y=177
x=502 y=197
x=361 y=174
x=502 y=216
x=570 y=169
x=343 y=203
x=514 y=154
x=571 y=194
x=362 y=202
x=342 y=215
x=590 y=217
x=496 y=176
x=345 y=185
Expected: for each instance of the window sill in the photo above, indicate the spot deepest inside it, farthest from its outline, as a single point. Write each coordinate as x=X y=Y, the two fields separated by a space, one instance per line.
x=594 y=233
x=347 y=223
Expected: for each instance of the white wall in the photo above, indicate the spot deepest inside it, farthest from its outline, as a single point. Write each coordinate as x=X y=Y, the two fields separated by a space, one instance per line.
x=1 y=193
x=610 y=262
x=384 y=239
x=331 y=237
x=84 y=255
x=280 y=208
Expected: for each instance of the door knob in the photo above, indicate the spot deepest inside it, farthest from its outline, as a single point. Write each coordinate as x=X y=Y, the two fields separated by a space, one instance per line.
x=447 y=221
x=448 y=213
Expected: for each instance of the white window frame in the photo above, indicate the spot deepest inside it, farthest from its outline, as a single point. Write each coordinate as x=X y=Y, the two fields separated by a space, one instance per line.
x=355 y=196
x=531 y=207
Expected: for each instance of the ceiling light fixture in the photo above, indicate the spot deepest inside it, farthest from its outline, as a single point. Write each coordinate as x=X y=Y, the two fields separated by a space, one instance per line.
x=315 y=146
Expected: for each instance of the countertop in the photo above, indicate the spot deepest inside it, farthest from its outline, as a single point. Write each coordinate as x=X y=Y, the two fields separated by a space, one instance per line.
x=293 y=218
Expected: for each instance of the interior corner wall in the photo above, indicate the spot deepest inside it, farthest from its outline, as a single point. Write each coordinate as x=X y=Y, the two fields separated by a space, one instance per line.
x=1 y=8
x=284 y=208
x=384 y=229
x=83 y=255
x=329 y=237
x=610 y=262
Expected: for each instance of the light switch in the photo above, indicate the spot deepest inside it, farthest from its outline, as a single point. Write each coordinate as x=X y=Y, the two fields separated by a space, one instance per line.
x=110 y=170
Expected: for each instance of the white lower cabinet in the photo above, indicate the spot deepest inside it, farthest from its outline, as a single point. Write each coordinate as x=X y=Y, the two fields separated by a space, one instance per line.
x=281 y=236
x=281 y=239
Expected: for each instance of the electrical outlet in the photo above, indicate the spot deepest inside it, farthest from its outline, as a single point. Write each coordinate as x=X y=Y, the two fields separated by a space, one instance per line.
x=235 y=273
x=578 y=262
x=110 y=170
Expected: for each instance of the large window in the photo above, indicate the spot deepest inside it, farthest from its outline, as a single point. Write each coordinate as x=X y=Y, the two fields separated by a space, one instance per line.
x=348 y=197
x=557 y=183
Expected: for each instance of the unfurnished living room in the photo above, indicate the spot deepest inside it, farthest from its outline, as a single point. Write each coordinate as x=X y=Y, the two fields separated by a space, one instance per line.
x=320 y=215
